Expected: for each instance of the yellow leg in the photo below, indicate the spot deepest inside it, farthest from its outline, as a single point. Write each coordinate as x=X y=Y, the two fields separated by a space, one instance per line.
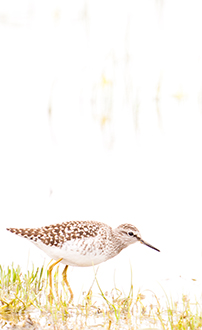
x=64 y=277
x=50 y=278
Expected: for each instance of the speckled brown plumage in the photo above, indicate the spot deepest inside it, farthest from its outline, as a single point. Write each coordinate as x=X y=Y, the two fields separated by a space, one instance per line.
x=56 y=235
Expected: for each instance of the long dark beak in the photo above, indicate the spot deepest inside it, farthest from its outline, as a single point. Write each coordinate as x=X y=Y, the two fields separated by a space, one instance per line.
x=149 y=245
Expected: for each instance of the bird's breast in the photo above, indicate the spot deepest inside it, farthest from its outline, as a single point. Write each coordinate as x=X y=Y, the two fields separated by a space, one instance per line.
x=80 y=253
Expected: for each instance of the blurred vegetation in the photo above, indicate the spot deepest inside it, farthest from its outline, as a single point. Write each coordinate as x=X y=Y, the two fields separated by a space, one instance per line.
x=25 y=304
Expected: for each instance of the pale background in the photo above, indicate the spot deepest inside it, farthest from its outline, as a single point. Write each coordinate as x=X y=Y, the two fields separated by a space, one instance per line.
x=101 y=119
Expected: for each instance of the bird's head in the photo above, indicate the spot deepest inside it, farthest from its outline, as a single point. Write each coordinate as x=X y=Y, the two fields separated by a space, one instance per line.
x=130 y=235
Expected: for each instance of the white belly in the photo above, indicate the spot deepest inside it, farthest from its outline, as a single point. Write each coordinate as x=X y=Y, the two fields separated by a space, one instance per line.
x=73 y=253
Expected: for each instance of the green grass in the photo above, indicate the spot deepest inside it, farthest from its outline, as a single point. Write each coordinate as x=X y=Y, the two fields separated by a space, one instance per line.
x=24 y=303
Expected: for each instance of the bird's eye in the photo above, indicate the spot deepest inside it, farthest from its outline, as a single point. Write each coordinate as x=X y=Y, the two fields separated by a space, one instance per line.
x=130 y=233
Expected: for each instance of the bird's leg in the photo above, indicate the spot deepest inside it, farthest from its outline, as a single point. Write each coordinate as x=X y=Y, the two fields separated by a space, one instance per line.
x=89 y=294
x=64 y=277
x=50 y=279
x=56 y=284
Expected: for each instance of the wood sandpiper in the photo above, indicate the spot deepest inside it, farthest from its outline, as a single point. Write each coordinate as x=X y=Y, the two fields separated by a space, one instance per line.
x=81 y=243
